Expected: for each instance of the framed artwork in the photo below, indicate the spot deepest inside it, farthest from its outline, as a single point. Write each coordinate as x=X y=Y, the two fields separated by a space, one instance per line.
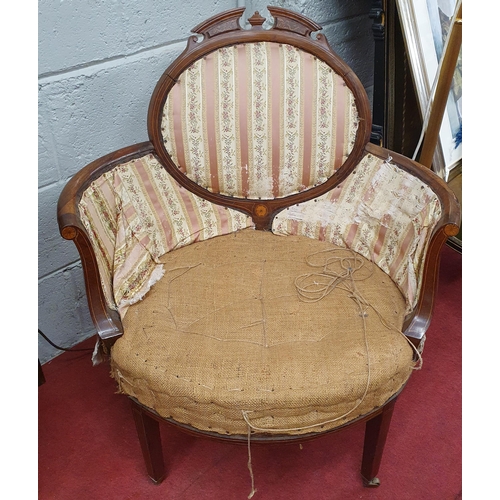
x=425 y=25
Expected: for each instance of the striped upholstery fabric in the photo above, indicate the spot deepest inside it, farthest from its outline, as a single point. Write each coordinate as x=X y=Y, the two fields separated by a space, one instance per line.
x=259 y=120
x=379 y=211
x=134 y=214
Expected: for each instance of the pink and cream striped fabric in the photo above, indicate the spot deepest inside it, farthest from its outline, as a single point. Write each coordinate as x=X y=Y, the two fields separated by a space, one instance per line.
x=134 y=214
x=259 y=120
x=380 y=211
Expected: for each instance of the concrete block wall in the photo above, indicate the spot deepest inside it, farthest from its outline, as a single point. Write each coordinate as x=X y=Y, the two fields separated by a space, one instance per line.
x=99 y=61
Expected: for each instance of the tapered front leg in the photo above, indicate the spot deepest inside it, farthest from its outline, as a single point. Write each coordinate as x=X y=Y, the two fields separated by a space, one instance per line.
x=148 y=430
x=375 y=436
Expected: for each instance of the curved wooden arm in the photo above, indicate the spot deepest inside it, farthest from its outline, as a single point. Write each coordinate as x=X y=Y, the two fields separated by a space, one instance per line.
x=67 y=206
x=106 y=320
x=418 y=321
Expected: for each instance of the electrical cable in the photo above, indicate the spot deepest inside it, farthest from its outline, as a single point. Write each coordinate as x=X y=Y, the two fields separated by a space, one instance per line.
x=59 y=347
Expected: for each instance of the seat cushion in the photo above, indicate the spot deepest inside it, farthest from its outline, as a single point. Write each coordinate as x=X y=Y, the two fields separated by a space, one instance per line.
x=225 y=335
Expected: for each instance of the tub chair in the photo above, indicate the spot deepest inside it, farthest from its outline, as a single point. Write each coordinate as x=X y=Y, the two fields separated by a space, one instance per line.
x=258 y=270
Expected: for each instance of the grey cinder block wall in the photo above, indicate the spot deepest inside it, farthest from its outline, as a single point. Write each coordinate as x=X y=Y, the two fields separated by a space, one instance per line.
x=99 y=61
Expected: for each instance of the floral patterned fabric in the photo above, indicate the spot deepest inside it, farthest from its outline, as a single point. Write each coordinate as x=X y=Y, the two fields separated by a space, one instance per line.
x=259 y=120
x=380 y=211
x=134 y=214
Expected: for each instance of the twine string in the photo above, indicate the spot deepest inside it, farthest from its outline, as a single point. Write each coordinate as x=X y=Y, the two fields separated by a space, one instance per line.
x=249 y=463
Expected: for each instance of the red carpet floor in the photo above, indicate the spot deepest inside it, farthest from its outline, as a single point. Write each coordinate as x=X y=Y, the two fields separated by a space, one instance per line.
x=88 y=448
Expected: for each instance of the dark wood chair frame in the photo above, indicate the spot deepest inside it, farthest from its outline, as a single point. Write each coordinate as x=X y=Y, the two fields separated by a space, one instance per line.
x=224 y=30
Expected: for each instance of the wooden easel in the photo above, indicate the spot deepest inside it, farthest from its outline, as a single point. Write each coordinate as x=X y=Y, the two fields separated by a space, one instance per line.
x=449 y=64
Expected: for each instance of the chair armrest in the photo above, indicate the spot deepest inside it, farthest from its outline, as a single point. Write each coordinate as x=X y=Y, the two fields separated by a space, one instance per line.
x=392 y=211
x=418 y=320
x=106 y=320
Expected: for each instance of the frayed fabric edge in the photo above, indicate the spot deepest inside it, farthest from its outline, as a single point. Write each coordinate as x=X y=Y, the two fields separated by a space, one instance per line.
x=97 y=356
x=156 y=276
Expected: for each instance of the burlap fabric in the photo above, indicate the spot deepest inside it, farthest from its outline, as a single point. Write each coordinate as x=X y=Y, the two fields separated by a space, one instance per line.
x=224 y=332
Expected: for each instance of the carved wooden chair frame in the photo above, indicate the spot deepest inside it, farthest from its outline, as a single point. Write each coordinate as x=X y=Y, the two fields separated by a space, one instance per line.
x=225 y=30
